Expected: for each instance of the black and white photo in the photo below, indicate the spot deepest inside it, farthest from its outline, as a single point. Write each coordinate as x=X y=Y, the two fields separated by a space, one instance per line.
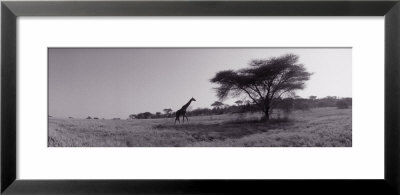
x=200 y=97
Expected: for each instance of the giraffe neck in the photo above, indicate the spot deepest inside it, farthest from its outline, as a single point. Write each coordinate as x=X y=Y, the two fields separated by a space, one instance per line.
x=184 y=107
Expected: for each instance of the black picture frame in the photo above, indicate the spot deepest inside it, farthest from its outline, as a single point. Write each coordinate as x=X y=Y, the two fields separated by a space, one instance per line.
x=11 y=10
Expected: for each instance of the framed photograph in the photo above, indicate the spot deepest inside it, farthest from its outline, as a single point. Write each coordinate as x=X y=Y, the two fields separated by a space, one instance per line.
x=200 y=97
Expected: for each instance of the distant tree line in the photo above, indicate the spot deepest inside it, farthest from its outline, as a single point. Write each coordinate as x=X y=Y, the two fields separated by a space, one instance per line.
x=283 y=104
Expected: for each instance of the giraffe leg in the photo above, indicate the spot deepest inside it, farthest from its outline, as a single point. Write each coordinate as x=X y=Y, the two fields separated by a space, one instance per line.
x=184 y=116
x=177 y=119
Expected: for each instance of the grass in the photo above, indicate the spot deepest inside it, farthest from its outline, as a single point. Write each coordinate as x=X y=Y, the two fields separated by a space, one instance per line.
x=321 y=127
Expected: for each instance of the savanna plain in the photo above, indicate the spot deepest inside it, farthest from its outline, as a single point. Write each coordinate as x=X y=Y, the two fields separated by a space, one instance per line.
x=317 y=127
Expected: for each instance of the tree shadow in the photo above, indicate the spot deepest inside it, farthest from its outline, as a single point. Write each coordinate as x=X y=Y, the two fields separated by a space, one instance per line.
x=232 y=129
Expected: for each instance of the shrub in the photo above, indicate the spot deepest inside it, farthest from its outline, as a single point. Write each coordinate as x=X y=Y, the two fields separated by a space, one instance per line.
x=342 y=104
x=287 y=106
x=302 y=105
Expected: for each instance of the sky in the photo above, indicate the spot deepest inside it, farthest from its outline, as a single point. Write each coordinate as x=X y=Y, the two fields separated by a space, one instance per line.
x=116 y=82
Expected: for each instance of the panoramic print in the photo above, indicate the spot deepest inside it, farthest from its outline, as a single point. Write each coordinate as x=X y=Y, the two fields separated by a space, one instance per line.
x=199 y=97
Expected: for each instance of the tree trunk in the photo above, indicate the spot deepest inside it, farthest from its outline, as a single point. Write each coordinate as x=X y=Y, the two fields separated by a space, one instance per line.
x=266 y=114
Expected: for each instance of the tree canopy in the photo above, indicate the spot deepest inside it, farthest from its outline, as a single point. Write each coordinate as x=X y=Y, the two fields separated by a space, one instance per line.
x=217 y=104
x=265 y=81
x=239 y=102
x=167 y=110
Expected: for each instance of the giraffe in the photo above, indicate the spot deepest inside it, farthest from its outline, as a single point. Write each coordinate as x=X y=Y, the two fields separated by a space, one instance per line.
x=182 y=112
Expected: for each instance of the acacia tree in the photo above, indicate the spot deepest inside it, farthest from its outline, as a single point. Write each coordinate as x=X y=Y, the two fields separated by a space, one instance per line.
x=265 y=81
x=167 y=111
x=239 y=102
x=217 y=104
